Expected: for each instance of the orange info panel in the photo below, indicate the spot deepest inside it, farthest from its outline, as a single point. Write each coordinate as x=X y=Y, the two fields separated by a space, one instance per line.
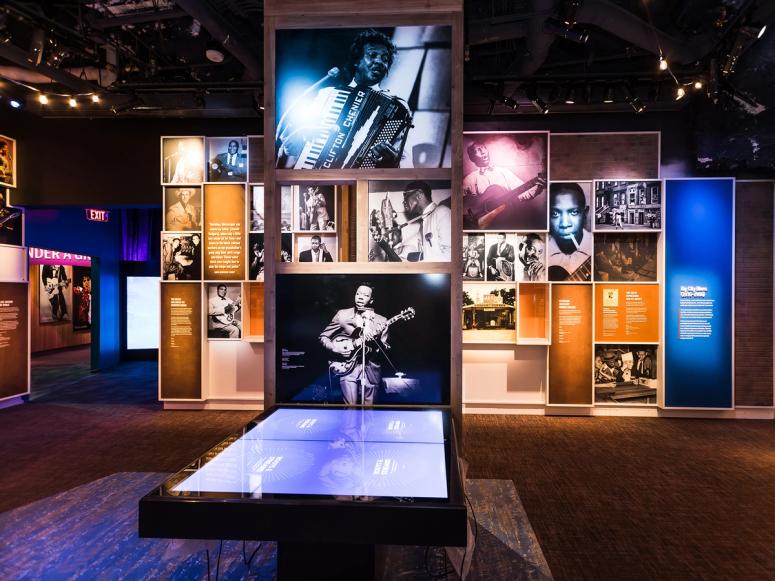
x=533 y=310
x=627 y=313
x=224 y=232
x=181 y=340
x=570 y=354
x=256 y=298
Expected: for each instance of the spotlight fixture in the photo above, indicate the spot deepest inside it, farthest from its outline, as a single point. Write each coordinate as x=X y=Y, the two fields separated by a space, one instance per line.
x=698 y=85
x=214 y=52
x=608 y=97
x=532 y=94
x=72 y=102
x=95 y=98
x=680 y=93
x=566 y=31
x=570 y=97
x=15 y=103
x=662 y=63
x=510 y=103
x=43 y=99
x=634 y=102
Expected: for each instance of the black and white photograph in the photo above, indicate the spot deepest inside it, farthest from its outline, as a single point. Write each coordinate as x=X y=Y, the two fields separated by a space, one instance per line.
x=11 y=222
x=227 y=159
x=501 y=257
x=626 y=374
x=181 y=254
x=363 y=98
x=410 y=221
x=315 y=208
x=257 y=209
x=489 y=313
x=7 y=161
x=183 y=209
x=286 y=247
x=530 y=265
x=224 y=310
x=628 y=205
x=55 y=301
x=504 y=184
x=183 y=160
x=473 y=256
x=360 y=339
x=256 y=256
x=626 y=257
x=570 y=248
x=286 y=208
x=81 y=298
x=316 y=247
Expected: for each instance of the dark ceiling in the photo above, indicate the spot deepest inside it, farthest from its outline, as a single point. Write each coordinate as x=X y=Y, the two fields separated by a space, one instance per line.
x=149 y=58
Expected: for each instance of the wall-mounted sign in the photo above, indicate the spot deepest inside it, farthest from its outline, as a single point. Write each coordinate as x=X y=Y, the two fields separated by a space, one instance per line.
x=95 y=215
x=44 y=256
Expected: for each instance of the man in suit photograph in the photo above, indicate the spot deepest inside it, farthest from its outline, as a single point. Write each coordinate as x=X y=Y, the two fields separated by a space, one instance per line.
x=317 y=251
x=500 y=260
x=229 y=166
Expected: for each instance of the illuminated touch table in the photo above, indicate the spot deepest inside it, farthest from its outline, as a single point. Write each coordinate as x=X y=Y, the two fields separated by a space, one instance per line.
x=328 y=484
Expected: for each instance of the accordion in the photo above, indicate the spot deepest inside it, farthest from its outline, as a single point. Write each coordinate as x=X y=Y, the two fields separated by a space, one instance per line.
x=354 y=119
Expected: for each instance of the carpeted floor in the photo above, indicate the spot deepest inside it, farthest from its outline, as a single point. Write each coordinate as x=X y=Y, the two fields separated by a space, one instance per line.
x=608 y=498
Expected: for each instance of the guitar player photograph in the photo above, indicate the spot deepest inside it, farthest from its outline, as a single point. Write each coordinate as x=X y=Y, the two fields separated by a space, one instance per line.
x=55 y=281
x=358 y=339
x=570 y=246
x=504 y=187
x=227 y=159
x=224 y=311
x=363 y=98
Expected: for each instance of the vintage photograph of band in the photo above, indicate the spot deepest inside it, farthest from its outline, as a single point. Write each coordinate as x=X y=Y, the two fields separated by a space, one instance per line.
x=363 y=98
x=181 y=254
x=628 y=205
x=504 y=187
x=224 y=310
x=353 y=339
x=410 y=221
x=626 y=374
x=489 y=313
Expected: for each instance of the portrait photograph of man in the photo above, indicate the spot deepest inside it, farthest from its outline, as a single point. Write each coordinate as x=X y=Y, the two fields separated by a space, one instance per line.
x=316 y=248
x=504 y=184
x=363 y=339
x=501 y=256
x=286 y=247
x=315 y=208
x=570 y=247
x=183 y=160
x=55 y=293
x=473 y=256
x=7 y=161
x=224 y=311
x=530 y=265
x=82 y=298
x=183 y=209
x=363 y=98
x=410 y=221
x=227 y=159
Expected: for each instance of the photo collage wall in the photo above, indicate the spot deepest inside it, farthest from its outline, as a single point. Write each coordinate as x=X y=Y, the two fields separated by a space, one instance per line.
x=569 y=264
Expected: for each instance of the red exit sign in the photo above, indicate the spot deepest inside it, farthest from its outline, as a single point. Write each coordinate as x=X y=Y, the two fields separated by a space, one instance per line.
x=97 y=215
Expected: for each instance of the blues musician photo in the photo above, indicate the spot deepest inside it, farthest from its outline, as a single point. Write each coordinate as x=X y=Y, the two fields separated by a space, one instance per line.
x=363 y=98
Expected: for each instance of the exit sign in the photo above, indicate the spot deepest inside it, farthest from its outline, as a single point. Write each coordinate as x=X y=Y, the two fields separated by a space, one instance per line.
x=97 y=215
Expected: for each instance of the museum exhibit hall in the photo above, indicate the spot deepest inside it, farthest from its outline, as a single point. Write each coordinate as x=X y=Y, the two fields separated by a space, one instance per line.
x=429 y=290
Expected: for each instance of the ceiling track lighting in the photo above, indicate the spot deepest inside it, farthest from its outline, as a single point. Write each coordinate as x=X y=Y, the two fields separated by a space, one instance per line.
x=680 y=93
x=570 y=96
x=608 y=96
x=633 y=100
x=566 y=31
x=532 y=94
x=662 y=63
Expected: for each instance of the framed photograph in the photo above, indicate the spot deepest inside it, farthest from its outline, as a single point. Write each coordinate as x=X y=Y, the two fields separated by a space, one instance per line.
x=183 y=209
x=81 y=298
x=316 y=248
x=11 y=222
x=410 y=221
x=315 y=208
x=181 y=256
x=7 y=161
x=183 y=160
x=530 y=265
x=489 y=313
x=224 y=310
x=257 y=208
x=55 y=293
x=626 y=257
x=363 y=97
x=473 y=257
x=628 y=205
x=504 y=187
x=570 y=248
x=227 y=159
x=500 y=261
x=286 y=247
x=626 y=374
x=404 y=359
x=286 y=208
x=256 y=256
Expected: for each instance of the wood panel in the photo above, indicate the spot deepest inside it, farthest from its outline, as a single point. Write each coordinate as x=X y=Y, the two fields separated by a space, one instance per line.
x=48 y=336
x=753 y=293
x=570 y=355
x=588 y=156
x=180 y=349
x=256 y=159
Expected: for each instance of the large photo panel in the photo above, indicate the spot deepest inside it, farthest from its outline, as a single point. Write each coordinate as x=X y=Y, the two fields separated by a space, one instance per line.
x=363 y=98
x=504 y=187
x=322 y=356
x=570 y=247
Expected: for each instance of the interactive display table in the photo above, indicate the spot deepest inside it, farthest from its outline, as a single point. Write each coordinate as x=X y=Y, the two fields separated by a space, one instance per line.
x=327 y=483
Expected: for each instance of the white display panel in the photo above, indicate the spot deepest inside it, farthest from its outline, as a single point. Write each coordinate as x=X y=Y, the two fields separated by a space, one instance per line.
x=142 y=312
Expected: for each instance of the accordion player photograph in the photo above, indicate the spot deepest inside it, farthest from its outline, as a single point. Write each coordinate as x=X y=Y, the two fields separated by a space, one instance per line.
x=363 y=98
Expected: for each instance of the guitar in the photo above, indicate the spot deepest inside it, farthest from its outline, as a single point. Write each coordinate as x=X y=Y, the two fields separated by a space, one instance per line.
x=582 y=273
x=53 y=286
x=8 y=218
x=229 y=310
x=353 y=345
x=479 y=211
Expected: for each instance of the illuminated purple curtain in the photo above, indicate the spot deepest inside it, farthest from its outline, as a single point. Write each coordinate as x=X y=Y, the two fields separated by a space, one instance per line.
x=136 y=231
